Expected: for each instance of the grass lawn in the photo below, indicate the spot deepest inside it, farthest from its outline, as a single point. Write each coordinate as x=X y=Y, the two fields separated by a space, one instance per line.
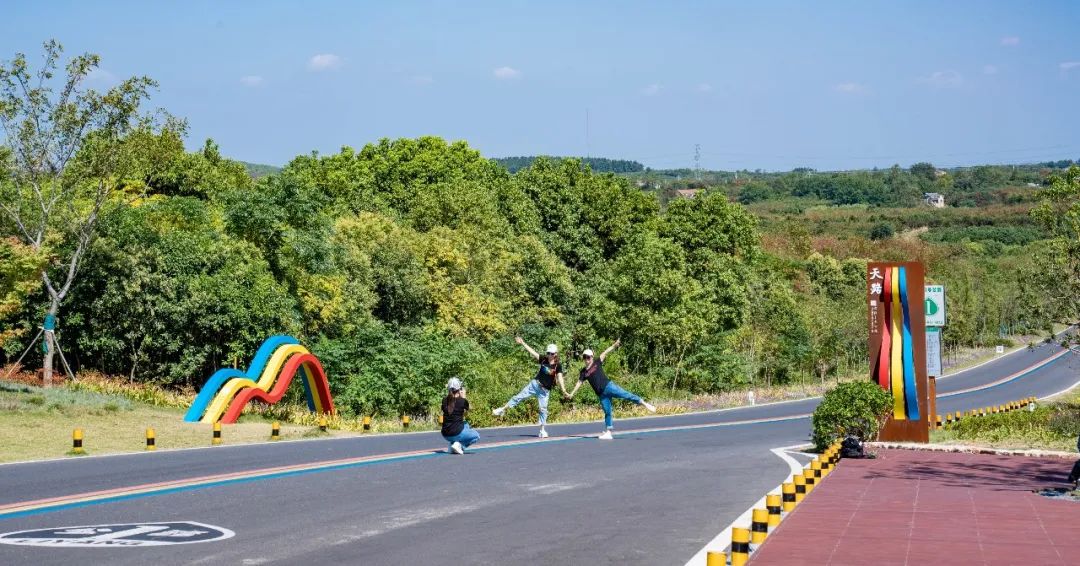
x=37 y=423
x=1053 y=425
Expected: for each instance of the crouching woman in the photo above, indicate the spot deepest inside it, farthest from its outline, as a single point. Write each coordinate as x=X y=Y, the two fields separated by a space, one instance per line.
x=454 y=429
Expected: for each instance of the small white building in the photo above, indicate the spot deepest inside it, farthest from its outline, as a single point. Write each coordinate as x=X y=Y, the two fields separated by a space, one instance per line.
x=936 y=200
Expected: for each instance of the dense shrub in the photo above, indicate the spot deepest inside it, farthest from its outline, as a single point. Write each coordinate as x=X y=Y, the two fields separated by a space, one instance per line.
x=853 y=408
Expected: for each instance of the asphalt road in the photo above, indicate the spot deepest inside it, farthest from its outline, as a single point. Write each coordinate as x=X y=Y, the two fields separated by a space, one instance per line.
x=654 y=495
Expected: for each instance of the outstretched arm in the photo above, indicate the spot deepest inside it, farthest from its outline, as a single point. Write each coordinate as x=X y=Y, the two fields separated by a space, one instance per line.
x=574 y=391
x=532 y=352
x=610 y=349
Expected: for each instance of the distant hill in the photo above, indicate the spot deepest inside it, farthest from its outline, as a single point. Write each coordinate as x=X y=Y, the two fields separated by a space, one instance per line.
x=597 y=164
x=257 y=170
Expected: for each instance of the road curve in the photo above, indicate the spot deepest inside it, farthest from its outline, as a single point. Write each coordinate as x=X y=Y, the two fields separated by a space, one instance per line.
x=654 y=495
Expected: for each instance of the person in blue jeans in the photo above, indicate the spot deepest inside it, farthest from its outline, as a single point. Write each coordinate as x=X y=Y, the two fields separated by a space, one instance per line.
x=605 y=389
x=550 y=373
x=454 y=429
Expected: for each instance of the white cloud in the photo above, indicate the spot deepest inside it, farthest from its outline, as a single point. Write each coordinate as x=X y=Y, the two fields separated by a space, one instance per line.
x=1069 y=65
x=421 y=80
x=1010 y=41
x=943 y=79
x=989 y=70
x=324 y=62
x=251 y=80
x=651 y=90
x=99 y=75
x=506 y=73
x=851 y=88
x=704 y=87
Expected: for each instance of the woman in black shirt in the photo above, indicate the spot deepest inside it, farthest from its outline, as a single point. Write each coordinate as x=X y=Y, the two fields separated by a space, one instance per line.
x=454 y=429
x=549 y=374
x=605 y=389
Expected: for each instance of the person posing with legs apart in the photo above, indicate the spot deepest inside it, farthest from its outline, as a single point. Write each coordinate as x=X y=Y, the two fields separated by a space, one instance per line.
x=605 y=389
x=454 y=429
x=550 y=373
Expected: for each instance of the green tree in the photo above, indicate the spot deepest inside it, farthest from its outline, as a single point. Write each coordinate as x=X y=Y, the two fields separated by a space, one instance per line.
x=1059 y=261
x=20 y=276
x=66 y=154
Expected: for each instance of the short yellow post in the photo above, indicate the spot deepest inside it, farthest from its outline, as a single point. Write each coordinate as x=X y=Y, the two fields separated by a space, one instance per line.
x=440 y=420
x=808 y=477
x=404 y=421
x=217 y=434
x=715 y=559
x=151 y=441
x=275 y=431
x=367 y=423
x=322 y=423
x=773 y=506
x=787 y=495
x=815 y=467
x=937 y=424
x=759 y=526
x=740 y=546
x=76 y=441
x=800 y=487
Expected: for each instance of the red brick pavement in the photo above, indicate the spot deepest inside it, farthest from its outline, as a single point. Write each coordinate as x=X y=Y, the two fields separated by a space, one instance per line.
x=921 y=507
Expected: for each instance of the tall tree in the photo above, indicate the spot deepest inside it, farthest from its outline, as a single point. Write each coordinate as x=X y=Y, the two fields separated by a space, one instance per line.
x=64 y=159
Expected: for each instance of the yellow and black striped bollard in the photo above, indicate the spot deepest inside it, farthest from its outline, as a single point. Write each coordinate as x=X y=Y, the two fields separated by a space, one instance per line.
x=151 y=439
x=322 y=423
x=808 y=477
x=76 y=442
x=405 y=421
x=759 y=526
x=367 y=424
x=217 y=435
x=714 y=558
x=800 y=487
x=440 y=420
x=275 y=431
x=773 y=506
x=787 y=496
x=740 y=546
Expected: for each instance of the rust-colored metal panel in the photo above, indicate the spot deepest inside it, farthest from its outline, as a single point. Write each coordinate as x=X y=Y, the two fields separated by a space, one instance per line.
x=897 y=330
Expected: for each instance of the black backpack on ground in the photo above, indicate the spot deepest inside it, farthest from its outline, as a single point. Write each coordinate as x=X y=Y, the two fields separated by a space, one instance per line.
x=852 y=448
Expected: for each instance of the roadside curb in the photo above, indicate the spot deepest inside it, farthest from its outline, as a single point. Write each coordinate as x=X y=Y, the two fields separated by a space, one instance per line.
x=747 y=532
x=965 y=449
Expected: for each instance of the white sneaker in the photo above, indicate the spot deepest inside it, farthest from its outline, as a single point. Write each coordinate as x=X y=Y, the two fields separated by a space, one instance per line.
x=499 y=412
x=456 y=447
x=649 y=406
x=606 y=435
x=543 y=433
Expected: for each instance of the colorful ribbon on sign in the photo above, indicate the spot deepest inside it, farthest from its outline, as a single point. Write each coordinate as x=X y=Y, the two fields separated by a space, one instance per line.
x=895 y=369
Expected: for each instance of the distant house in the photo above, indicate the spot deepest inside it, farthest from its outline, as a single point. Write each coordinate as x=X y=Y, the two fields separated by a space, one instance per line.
x=940 y=173
x=1034 y=185
x=687 y=193
x=936 y=200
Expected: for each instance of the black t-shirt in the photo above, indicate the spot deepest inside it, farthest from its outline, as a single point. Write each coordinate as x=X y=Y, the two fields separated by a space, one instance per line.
x=454 y=416
x=546 y=374
x=595 y=376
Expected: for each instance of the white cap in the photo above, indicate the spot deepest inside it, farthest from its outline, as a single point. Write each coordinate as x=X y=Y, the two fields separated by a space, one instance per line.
x=454 y=384
x=552 y=349
x=587 y=353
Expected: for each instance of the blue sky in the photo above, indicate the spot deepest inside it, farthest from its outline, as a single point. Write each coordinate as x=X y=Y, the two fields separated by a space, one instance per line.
x=770 y=85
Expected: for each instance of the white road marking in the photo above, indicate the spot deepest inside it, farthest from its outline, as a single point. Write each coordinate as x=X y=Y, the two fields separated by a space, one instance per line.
x=723 y=540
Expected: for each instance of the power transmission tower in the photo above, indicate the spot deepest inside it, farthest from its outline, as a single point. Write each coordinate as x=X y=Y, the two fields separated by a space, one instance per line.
x=697 y=161
x=587 y=151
